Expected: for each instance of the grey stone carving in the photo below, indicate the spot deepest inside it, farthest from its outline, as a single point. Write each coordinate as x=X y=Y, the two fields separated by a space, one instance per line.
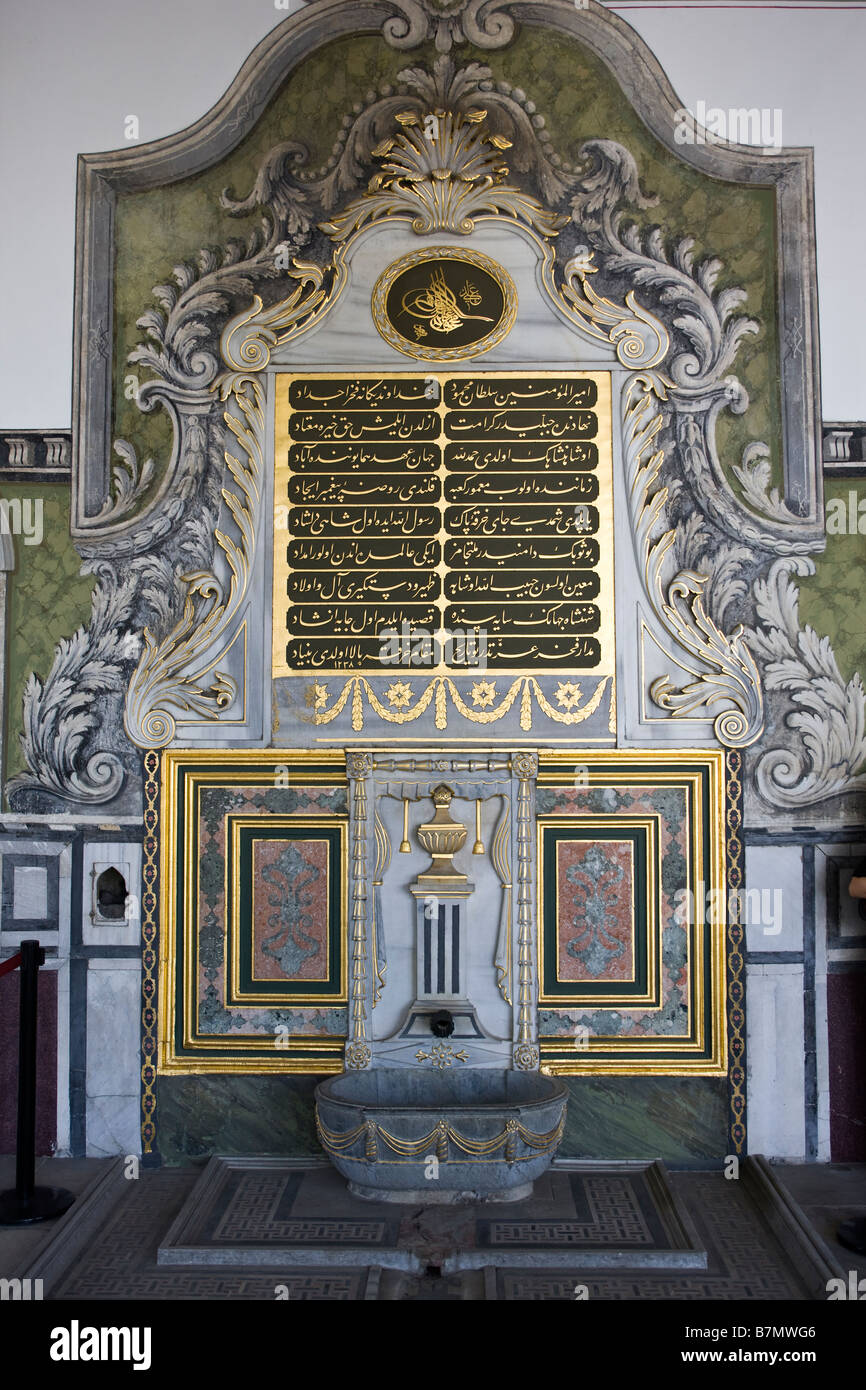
x=829 y=715
x=483 y=23
x=130 y=482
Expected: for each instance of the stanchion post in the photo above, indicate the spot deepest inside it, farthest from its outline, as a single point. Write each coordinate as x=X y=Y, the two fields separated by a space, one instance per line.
x=32 y=956
x=27 y=1202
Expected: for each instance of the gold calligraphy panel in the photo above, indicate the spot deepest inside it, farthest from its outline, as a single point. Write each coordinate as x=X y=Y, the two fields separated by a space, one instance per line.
x=444 y=520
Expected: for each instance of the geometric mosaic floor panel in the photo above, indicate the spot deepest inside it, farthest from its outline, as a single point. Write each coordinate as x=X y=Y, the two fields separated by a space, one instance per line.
x=272 y=1211
x=743 y=1259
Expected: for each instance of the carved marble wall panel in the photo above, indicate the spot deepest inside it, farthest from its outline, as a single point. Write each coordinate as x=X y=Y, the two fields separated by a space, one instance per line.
x=709 y=506
x=281 y=240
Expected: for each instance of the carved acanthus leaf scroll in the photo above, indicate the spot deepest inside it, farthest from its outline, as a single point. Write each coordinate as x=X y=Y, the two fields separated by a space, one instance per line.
x=754 y=473
x=731 y=677
x=249 y=337
x=73 y=719
x=706 y=337
x=61 y=713
x=178 y=672
x=130 y=482
x=639 y=337
x=829 y=715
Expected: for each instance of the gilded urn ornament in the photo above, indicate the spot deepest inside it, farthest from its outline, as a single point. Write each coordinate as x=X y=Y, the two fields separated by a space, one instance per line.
x=442 y=837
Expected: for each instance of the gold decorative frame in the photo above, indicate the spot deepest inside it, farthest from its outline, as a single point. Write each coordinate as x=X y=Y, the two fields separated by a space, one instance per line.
x=709 y=1049
x=311 y=823
x=320 y=1053
x=650 y=824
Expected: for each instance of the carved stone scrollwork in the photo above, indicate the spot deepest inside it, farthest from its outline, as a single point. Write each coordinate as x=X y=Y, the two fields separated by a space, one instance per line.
x=829 y=715
x=73 y=720
x=249 y=337
x=701 y=538
x=705 y=337
x=178 y=673
x=640 y=339
x=130 y=482
x=449 y=22
x=754 y=473
x=61 y=714
x=677 y=596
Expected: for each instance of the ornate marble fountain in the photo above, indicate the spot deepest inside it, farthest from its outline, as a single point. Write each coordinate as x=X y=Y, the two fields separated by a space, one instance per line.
x=405 y=1136
x=439 y=1104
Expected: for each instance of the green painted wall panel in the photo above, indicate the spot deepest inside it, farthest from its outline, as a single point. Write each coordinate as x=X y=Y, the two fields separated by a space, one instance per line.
x=48 y=599
x=832 y=600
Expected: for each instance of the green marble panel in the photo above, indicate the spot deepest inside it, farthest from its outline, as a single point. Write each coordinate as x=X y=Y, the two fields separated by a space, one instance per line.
x=675 y=1118
x=235 y=1114
x=48 y=599
x=678 y=1119
x=831 y=601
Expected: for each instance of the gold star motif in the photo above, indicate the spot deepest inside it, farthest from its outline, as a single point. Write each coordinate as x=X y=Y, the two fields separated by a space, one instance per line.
x=568 y=694
x=399 y=694
x=483 y=693
x=316 y=696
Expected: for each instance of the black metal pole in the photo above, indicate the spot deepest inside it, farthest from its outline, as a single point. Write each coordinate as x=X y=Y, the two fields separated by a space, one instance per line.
x=32 y=956
x=29 y=1203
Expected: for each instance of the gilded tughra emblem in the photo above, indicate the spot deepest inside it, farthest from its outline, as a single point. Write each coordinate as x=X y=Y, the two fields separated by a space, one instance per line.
x=437 y=305
x=444 y=303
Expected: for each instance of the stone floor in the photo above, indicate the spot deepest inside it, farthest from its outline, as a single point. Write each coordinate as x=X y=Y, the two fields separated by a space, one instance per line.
x=242 y=1235
x=829 y=1193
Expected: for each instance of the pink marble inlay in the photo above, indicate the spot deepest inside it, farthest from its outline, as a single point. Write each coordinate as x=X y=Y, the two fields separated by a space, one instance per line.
x=290 y=909
x=595 y=931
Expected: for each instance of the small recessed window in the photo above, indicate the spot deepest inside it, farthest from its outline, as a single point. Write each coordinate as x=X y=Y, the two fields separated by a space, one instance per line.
x=111 y=895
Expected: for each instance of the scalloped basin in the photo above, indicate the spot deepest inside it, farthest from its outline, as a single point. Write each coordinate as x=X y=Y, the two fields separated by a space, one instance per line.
x=411 y=1136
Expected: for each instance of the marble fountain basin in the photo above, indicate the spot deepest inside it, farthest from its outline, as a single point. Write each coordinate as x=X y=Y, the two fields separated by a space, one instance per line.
x=412 y=1136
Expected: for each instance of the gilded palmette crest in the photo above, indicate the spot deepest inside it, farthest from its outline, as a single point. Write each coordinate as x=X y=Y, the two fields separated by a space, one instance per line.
x=442 y=169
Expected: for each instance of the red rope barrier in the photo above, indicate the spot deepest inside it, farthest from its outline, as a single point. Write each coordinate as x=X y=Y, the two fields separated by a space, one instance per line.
x=11 y=964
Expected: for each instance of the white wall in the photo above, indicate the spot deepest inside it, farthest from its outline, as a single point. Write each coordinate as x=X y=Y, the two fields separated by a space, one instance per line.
x=71 y=73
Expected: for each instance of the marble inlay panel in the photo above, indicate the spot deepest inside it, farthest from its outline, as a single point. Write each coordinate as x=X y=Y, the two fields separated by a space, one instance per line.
x=290 y=909
x=633 y=913
x=594 y=909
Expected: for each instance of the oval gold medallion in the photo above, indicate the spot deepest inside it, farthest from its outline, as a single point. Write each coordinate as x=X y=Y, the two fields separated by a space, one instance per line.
x=444 y=303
